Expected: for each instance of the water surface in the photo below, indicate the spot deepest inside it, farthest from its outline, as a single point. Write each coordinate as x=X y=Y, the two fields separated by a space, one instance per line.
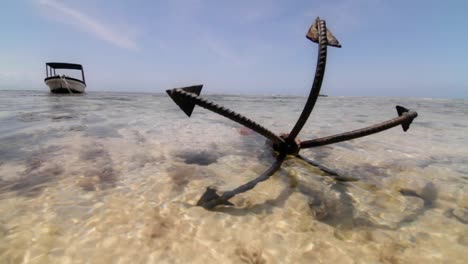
x=109 y=177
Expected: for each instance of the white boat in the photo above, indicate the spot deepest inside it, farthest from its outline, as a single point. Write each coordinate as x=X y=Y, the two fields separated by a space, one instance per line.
x=62 y=83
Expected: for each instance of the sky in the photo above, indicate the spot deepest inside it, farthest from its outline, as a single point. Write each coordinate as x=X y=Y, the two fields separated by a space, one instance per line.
x=398 y=48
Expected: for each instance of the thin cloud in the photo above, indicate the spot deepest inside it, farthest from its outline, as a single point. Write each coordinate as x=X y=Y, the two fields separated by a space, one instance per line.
x=90 y=25
x=221 y=49
x=257 y=11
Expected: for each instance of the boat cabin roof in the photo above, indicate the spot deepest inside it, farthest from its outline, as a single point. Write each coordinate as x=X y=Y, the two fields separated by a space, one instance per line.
x=52 y=66
x=63 y=65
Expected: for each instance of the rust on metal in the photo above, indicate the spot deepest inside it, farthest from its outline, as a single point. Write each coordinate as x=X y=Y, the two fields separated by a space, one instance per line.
x=287 y=143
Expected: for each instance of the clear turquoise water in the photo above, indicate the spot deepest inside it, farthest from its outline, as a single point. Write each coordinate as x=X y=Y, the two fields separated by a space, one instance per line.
x=108 y=177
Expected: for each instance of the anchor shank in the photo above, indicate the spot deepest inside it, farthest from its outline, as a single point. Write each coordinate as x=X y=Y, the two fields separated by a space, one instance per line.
x=403 y=119
x=317 y=84
x=236 y=117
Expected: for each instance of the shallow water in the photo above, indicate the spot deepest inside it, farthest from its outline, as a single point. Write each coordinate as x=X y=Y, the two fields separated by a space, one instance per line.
x=113 y=178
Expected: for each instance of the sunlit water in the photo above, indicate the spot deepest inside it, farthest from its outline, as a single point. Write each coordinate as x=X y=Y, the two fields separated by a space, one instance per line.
x=113 y=178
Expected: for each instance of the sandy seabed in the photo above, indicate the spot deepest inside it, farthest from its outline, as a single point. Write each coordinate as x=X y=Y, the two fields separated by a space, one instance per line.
x=108 y=179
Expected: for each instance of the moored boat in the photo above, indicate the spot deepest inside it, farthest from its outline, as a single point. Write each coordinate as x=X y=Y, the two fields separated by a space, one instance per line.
x=61 y=83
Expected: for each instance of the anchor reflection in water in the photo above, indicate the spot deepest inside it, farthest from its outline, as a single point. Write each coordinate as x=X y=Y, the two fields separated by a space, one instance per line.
x=288 y=143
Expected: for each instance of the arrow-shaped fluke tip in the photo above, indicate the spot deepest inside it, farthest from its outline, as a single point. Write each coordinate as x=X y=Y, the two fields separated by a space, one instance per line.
x=210 y=199
x=401 y=110
x=185 y=104
x=313 y=35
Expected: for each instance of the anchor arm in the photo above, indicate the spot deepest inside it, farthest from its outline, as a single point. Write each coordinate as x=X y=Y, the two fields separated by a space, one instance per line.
x=186 y=98
x=319 y=33
x=211 y=199
x=405 y=118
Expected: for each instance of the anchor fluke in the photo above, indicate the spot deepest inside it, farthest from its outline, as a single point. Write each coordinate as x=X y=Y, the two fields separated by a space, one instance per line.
x=186 y=105
x=313 y=35
x=210 y=199
x=401 y=111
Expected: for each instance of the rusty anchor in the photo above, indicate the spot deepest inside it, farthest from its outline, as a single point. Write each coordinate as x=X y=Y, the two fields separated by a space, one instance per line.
x=285 y=144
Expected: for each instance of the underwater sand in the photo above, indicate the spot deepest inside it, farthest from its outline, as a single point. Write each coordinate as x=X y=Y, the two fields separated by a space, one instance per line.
x=114 y=177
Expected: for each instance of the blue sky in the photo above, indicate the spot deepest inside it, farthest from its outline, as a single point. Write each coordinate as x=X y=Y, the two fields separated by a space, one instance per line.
x=390 y=48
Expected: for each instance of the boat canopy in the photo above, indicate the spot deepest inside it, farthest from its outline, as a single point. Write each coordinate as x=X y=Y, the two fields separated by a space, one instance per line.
x=63 y=65
x=52 y=66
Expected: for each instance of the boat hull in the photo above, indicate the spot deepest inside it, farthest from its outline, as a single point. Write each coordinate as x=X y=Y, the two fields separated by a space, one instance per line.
x=59 y=84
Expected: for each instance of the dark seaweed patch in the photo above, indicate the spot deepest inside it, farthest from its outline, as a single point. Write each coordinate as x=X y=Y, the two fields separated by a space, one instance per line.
x=202 y=158
x=107 y=175
x=87 y=184
x=139 y=160
x=32 y=183
x=424 y=124
x=99 y=170
x=161 y=227
x=250 y=255
x=33 y=164
x=458 y=125
x=102 y=132
x=61 y=117
x=93 y=119
x=77 y=128
x=36 y=173
x=12 y=147
x=30 y=117
x=461 y=214
x=10 y=152
x=140 y=139
x=92 y=153
x=181 y=175
x=463 y=239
